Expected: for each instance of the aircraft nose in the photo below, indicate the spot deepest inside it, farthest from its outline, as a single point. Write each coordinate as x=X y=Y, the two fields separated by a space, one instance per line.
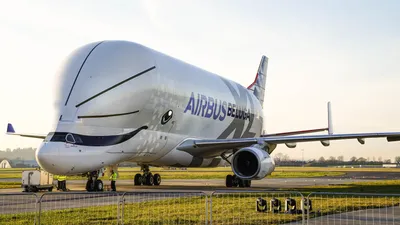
x=47 y=156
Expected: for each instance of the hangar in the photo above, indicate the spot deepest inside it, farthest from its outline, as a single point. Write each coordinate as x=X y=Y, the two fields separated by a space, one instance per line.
x=17 y=163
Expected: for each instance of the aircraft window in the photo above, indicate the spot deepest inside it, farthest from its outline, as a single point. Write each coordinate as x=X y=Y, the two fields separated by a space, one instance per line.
x=166 y=117
x=58 y=137
x=70 y=138
x=47 y=138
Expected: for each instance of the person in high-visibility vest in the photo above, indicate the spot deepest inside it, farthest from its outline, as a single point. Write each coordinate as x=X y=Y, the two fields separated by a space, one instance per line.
x=113 y=178
x=55 y=177
x=63 y=181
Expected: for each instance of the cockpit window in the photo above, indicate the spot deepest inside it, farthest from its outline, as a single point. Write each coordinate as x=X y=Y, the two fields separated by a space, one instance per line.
x=58 y=137
x=70 y=138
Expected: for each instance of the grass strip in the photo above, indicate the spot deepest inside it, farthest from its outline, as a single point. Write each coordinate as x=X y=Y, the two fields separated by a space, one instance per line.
x=227 y=208
x=5 y=185
x=384 y=186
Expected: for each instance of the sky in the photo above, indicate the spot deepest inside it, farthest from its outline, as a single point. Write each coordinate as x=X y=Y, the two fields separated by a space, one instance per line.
x=346 y=52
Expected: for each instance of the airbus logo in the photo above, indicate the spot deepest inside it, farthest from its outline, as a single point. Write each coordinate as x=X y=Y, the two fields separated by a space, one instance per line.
x=209 y=107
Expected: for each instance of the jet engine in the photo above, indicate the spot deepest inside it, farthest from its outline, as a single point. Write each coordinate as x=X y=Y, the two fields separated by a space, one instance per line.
x=252 y=163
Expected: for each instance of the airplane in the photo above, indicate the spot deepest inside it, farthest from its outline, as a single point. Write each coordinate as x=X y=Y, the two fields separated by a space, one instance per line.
x=120 y=101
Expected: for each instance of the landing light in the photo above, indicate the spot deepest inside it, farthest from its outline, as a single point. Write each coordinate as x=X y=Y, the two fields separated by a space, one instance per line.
x=261 y=205
x=275 y=205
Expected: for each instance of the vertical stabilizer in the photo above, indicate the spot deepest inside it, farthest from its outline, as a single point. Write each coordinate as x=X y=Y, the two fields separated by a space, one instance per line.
x=258 y=86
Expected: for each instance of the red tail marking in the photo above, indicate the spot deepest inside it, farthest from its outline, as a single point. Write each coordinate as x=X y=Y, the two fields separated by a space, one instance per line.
x=254 y=82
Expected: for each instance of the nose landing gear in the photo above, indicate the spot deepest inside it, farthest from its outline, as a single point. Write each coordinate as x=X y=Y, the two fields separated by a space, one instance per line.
x=147 y=178
x=94 y=183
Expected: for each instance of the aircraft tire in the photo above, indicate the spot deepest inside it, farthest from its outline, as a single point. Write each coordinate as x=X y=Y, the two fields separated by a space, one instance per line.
x=138 y=179
x=149 y=179
x=89 y=186
x=247 y=183
x=157 y=179
x=98 y=185
x=241 y=183
x=235 y=181
x=229 y=181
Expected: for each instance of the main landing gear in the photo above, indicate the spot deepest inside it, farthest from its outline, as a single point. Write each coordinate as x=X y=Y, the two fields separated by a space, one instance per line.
x=234 y=181
x=147 y=178
x=93 y=183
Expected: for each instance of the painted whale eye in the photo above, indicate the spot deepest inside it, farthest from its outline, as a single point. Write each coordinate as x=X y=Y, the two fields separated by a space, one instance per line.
x=166 y=117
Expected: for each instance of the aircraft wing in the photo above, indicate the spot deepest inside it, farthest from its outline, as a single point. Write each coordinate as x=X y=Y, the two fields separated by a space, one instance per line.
x=215 y=147
x=11 y=131
x=329 y=128
x=296 y=132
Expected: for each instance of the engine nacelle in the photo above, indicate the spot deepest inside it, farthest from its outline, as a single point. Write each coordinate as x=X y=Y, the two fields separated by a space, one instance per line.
x=252 y=163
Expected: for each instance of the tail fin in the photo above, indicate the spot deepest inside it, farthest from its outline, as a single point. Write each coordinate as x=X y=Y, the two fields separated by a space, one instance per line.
x=258 y=86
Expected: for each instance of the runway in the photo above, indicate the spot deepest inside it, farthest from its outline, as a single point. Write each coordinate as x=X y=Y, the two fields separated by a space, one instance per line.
x=212 y=184
x=208 y=185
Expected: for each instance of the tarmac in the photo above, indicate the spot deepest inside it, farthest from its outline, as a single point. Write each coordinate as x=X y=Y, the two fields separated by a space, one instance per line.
x=212 y=184
x=208 y=184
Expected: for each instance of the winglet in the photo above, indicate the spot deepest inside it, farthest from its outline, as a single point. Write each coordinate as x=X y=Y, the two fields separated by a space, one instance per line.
x=10 y=128
x=330 y=128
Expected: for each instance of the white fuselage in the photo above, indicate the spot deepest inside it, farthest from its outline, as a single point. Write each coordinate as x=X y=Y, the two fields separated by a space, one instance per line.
x=114 y=97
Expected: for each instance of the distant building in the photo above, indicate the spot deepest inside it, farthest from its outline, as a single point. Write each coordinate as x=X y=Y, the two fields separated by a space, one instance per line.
x=6 y=163
x=390 y=165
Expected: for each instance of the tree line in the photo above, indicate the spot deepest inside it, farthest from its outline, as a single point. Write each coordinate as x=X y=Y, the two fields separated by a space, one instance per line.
x=18 y=154
x=281 y=158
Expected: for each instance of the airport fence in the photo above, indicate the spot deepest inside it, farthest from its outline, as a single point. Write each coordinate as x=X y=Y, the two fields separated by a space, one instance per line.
x=78 y=208
x=19 y=208
x=190 y=207
x=164 y=208
x=352 y=208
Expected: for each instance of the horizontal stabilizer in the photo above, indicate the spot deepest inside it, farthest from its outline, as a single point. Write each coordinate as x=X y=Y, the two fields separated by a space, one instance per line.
x=11 y=131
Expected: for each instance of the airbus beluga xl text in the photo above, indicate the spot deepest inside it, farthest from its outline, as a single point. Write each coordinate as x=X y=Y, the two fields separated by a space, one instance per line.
x=121 y=101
